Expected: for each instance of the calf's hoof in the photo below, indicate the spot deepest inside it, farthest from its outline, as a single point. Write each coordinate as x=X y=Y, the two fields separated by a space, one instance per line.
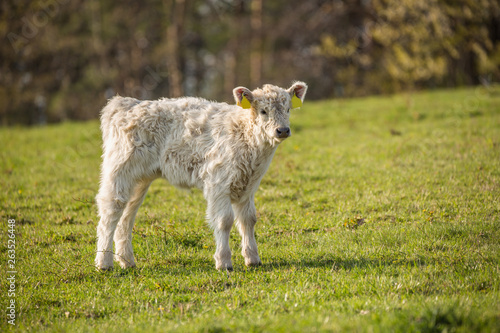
x=104 y=261
x=126 y=265
x=253 y=263
x=125 y=262
x=104 y=268
x=224 y=267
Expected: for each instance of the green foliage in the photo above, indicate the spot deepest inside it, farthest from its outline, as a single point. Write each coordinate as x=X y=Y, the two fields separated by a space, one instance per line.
x=378 y=214
x=410 y=43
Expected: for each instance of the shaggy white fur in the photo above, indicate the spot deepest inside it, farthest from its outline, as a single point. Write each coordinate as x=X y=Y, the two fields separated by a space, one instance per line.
x=222 y=149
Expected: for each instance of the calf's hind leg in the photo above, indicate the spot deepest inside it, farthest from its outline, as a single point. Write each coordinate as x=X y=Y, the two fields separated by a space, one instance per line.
x=123 y=234
x=112 y=199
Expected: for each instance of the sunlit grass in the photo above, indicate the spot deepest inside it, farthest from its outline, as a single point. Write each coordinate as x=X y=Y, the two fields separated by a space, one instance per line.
x=378 y=214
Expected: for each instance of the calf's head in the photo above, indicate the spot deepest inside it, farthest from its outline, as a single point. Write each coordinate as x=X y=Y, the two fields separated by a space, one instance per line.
x=271 y=107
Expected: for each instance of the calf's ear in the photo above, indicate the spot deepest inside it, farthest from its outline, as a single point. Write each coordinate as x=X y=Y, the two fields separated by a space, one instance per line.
x=298 y=93
x=243 y=97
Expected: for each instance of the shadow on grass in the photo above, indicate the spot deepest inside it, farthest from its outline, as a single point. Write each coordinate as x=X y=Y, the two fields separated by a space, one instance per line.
x=189 y=266
x=339 y=263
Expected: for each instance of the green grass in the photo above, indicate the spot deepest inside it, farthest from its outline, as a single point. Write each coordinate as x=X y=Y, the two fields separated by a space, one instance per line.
x=422 y=171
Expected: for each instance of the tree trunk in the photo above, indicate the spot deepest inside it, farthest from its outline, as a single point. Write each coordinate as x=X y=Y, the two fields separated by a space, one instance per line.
x=256 y=44
x=174 y=29
x=231 y=54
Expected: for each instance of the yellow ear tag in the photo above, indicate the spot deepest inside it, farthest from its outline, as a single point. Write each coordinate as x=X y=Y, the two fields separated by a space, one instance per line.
x=296 y=102
x=245 y=103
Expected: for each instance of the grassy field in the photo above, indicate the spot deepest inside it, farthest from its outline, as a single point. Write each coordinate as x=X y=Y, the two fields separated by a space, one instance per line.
x=378 y=214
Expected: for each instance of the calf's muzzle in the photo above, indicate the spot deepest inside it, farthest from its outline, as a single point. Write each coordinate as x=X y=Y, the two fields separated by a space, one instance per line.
x=283 y=132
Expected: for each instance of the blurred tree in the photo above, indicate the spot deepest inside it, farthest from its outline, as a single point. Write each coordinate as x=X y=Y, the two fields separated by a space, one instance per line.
x=63 y=59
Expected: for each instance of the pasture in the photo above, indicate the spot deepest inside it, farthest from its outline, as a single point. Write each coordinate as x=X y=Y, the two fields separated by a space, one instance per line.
x=378 y=214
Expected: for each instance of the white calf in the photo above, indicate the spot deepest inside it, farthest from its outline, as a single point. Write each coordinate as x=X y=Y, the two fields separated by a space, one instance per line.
x=221 y=149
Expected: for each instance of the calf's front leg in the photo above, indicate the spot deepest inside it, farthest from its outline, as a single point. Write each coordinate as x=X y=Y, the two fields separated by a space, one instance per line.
x=246 y=217
x=220 y=216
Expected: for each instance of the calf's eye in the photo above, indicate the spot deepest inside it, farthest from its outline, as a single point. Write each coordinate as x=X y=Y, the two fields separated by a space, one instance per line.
x=263 y=112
